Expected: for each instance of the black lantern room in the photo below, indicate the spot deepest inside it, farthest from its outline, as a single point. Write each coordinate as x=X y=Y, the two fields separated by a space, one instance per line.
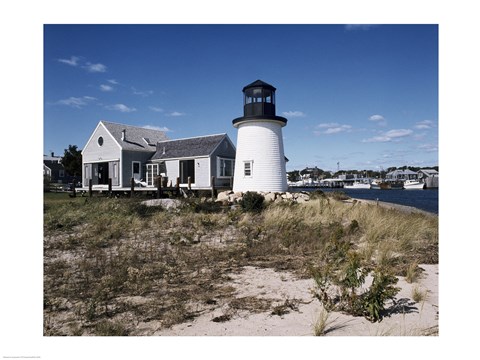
x=259 y=103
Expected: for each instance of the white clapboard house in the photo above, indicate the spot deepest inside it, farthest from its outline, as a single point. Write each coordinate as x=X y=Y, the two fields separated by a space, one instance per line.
x=121 y=152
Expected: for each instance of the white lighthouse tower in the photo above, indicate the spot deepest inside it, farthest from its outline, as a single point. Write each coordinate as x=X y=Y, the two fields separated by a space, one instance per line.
x=260 y=160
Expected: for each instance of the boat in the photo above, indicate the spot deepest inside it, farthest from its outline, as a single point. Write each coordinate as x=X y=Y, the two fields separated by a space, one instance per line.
x=375 y=185
x=380 y=185
x=413 y=185
x=396 y=185
x=357 y=185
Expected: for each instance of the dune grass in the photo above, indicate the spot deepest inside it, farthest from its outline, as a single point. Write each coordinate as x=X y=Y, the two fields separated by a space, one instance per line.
x=111 y=263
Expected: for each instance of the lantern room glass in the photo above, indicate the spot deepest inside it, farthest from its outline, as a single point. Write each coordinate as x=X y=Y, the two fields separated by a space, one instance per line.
x=259 y=95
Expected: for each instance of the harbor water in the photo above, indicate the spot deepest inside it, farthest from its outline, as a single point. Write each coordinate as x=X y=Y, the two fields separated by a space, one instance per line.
x=426 y=200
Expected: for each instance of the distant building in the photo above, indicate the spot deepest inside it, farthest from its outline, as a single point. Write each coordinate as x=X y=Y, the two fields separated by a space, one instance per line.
x=429 y=177
x=52 y=158
x=311 y=173
x=54 y=171
x=401 y=175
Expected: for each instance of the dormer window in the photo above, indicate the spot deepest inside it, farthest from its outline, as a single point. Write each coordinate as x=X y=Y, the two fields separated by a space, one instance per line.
x=100 y=141
x=149 y=142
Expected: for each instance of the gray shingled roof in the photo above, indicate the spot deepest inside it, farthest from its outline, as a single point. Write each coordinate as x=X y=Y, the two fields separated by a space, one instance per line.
x=429 y=171
x=402 y=172
x=192 y=147
x=134 y=136
x=53 y=165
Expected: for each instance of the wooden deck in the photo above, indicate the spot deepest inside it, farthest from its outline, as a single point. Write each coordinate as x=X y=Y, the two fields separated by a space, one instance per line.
x=177 y=190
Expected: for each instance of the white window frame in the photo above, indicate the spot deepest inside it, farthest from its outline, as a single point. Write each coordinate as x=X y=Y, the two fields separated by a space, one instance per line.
x=249 y=162
x=220 y=168
x=151 y=175
x=86 y=172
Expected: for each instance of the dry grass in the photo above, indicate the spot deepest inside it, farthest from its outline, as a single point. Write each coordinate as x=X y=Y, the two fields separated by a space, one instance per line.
x=112 y=263
x=320 y=326
x=419 y=295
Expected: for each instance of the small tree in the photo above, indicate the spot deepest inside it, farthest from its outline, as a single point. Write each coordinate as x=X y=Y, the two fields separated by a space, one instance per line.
x=293 y=175
x=72 y=160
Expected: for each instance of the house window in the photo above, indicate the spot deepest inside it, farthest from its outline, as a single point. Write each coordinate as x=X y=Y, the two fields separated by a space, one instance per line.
x=226 y=167
x=100 y=141
x=248 y=168
x=61 y=173
x=115 y=170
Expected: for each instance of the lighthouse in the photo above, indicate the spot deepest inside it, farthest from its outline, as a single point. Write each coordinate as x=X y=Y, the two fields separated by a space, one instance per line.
x=260 y=159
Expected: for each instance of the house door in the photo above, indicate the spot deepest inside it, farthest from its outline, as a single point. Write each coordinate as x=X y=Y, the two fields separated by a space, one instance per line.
x=136 y=170
x=103 y=173
x=187 y=169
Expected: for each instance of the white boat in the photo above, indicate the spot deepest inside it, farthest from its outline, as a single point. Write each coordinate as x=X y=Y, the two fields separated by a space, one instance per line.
x=357 y=185
x=413 y=185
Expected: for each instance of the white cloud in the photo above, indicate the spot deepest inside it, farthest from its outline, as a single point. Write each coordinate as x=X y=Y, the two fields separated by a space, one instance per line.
x=156 y=109
x=331 y=128
x=428 y=147
x=176 y=113
x=327 y=125
x=293 y=114
x=335 y=130
x=113 y=81
x=95 y=67
x=425 y=124
x=76 y=102
x=377 y=139
x=389 y=136
x=121 y=108
x=159 y=128
x=142 y=93
x=376 y=118
x=90 y=67
x=73 y=61
x=398 y=133
x=104 y=87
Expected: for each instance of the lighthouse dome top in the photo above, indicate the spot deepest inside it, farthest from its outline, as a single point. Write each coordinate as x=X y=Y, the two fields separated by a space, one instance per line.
x=259 y=83
x=259 y=104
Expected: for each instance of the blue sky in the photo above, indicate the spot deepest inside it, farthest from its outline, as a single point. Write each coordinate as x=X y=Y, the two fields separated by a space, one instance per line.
x=364 y=96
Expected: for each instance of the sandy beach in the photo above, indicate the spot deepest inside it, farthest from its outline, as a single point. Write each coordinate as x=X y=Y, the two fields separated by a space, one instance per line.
x=301 y=310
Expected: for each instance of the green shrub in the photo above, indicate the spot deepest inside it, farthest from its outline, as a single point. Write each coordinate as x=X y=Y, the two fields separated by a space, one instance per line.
x=252 y=201
x=341 y=266
x=378 y=294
